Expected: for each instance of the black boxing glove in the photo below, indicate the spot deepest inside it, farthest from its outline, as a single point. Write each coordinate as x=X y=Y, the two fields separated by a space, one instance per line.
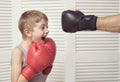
x=73 y=21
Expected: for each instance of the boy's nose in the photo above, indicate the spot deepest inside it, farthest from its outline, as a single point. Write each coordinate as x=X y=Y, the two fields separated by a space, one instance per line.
x=46 y=30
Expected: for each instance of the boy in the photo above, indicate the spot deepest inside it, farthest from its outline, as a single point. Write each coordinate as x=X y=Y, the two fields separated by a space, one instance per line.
x=33 y=26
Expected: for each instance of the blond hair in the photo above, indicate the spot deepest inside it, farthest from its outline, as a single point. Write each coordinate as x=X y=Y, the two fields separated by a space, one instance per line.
x=28 y=20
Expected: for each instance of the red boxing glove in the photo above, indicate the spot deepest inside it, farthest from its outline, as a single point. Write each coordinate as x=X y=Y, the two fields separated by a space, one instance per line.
x=50 y=44
x=39 y=57
x=47 y=70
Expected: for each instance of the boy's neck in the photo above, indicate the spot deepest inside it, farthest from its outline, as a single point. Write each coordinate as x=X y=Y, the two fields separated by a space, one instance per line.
x=26 y=43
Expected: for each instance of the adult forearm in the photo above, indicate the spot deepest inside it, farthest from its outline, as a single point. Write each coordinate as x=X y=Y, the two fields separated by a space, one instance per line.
x=74 y=21
x=109 y=23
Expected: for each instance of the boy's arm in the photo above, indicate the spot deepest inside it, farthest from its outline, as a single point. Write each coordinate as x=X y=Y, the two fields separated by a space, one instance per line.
x=46 y=72
x=45 y=77
x=16 y=66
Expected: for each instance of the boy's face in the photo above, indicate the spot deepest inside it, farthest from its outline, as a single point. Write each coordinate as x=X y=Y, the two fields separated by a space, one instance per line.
x=40 y=31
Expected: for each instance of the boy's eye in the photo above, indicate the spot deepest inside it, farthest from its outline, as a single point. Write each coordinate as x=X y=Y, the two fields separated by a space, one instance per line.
x=43 y=28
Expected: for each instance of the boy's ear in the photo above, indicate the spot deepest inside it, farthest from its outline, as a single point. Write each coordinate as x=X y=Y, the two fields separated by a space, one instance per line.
x=27 y=32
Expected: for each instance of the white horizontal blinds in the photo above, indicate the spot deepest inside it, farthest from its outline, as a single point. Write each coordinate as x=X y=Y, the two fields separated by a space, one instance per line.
x=5 y=25
x=97 y=67
x=98 y=7
x=97 y=72
x=4 y=71
x=97 y=51
x=5 y=39
x=5 y=68
x=53 y=9
x=57 y=74
x=97 y=41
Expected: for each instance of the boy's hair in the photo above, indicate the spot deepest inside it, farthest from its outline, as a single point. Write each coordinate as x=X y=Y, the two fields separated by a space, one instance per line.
x=28 y=20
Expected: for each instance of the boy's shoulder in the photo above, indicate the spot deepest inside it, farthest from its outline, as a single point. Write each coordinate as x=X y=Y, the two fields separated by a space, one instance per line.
x=16 y=51
x=16 y=56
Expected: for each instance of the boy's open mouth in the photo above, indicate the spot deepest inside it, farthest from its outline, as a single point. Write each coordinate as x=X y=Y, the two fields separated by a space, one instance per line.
x=43 y=38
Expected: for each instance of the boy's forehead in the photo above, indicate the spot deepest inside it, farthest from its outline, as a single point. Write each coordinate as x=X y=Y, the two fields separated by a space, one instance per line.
x=42 y=22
